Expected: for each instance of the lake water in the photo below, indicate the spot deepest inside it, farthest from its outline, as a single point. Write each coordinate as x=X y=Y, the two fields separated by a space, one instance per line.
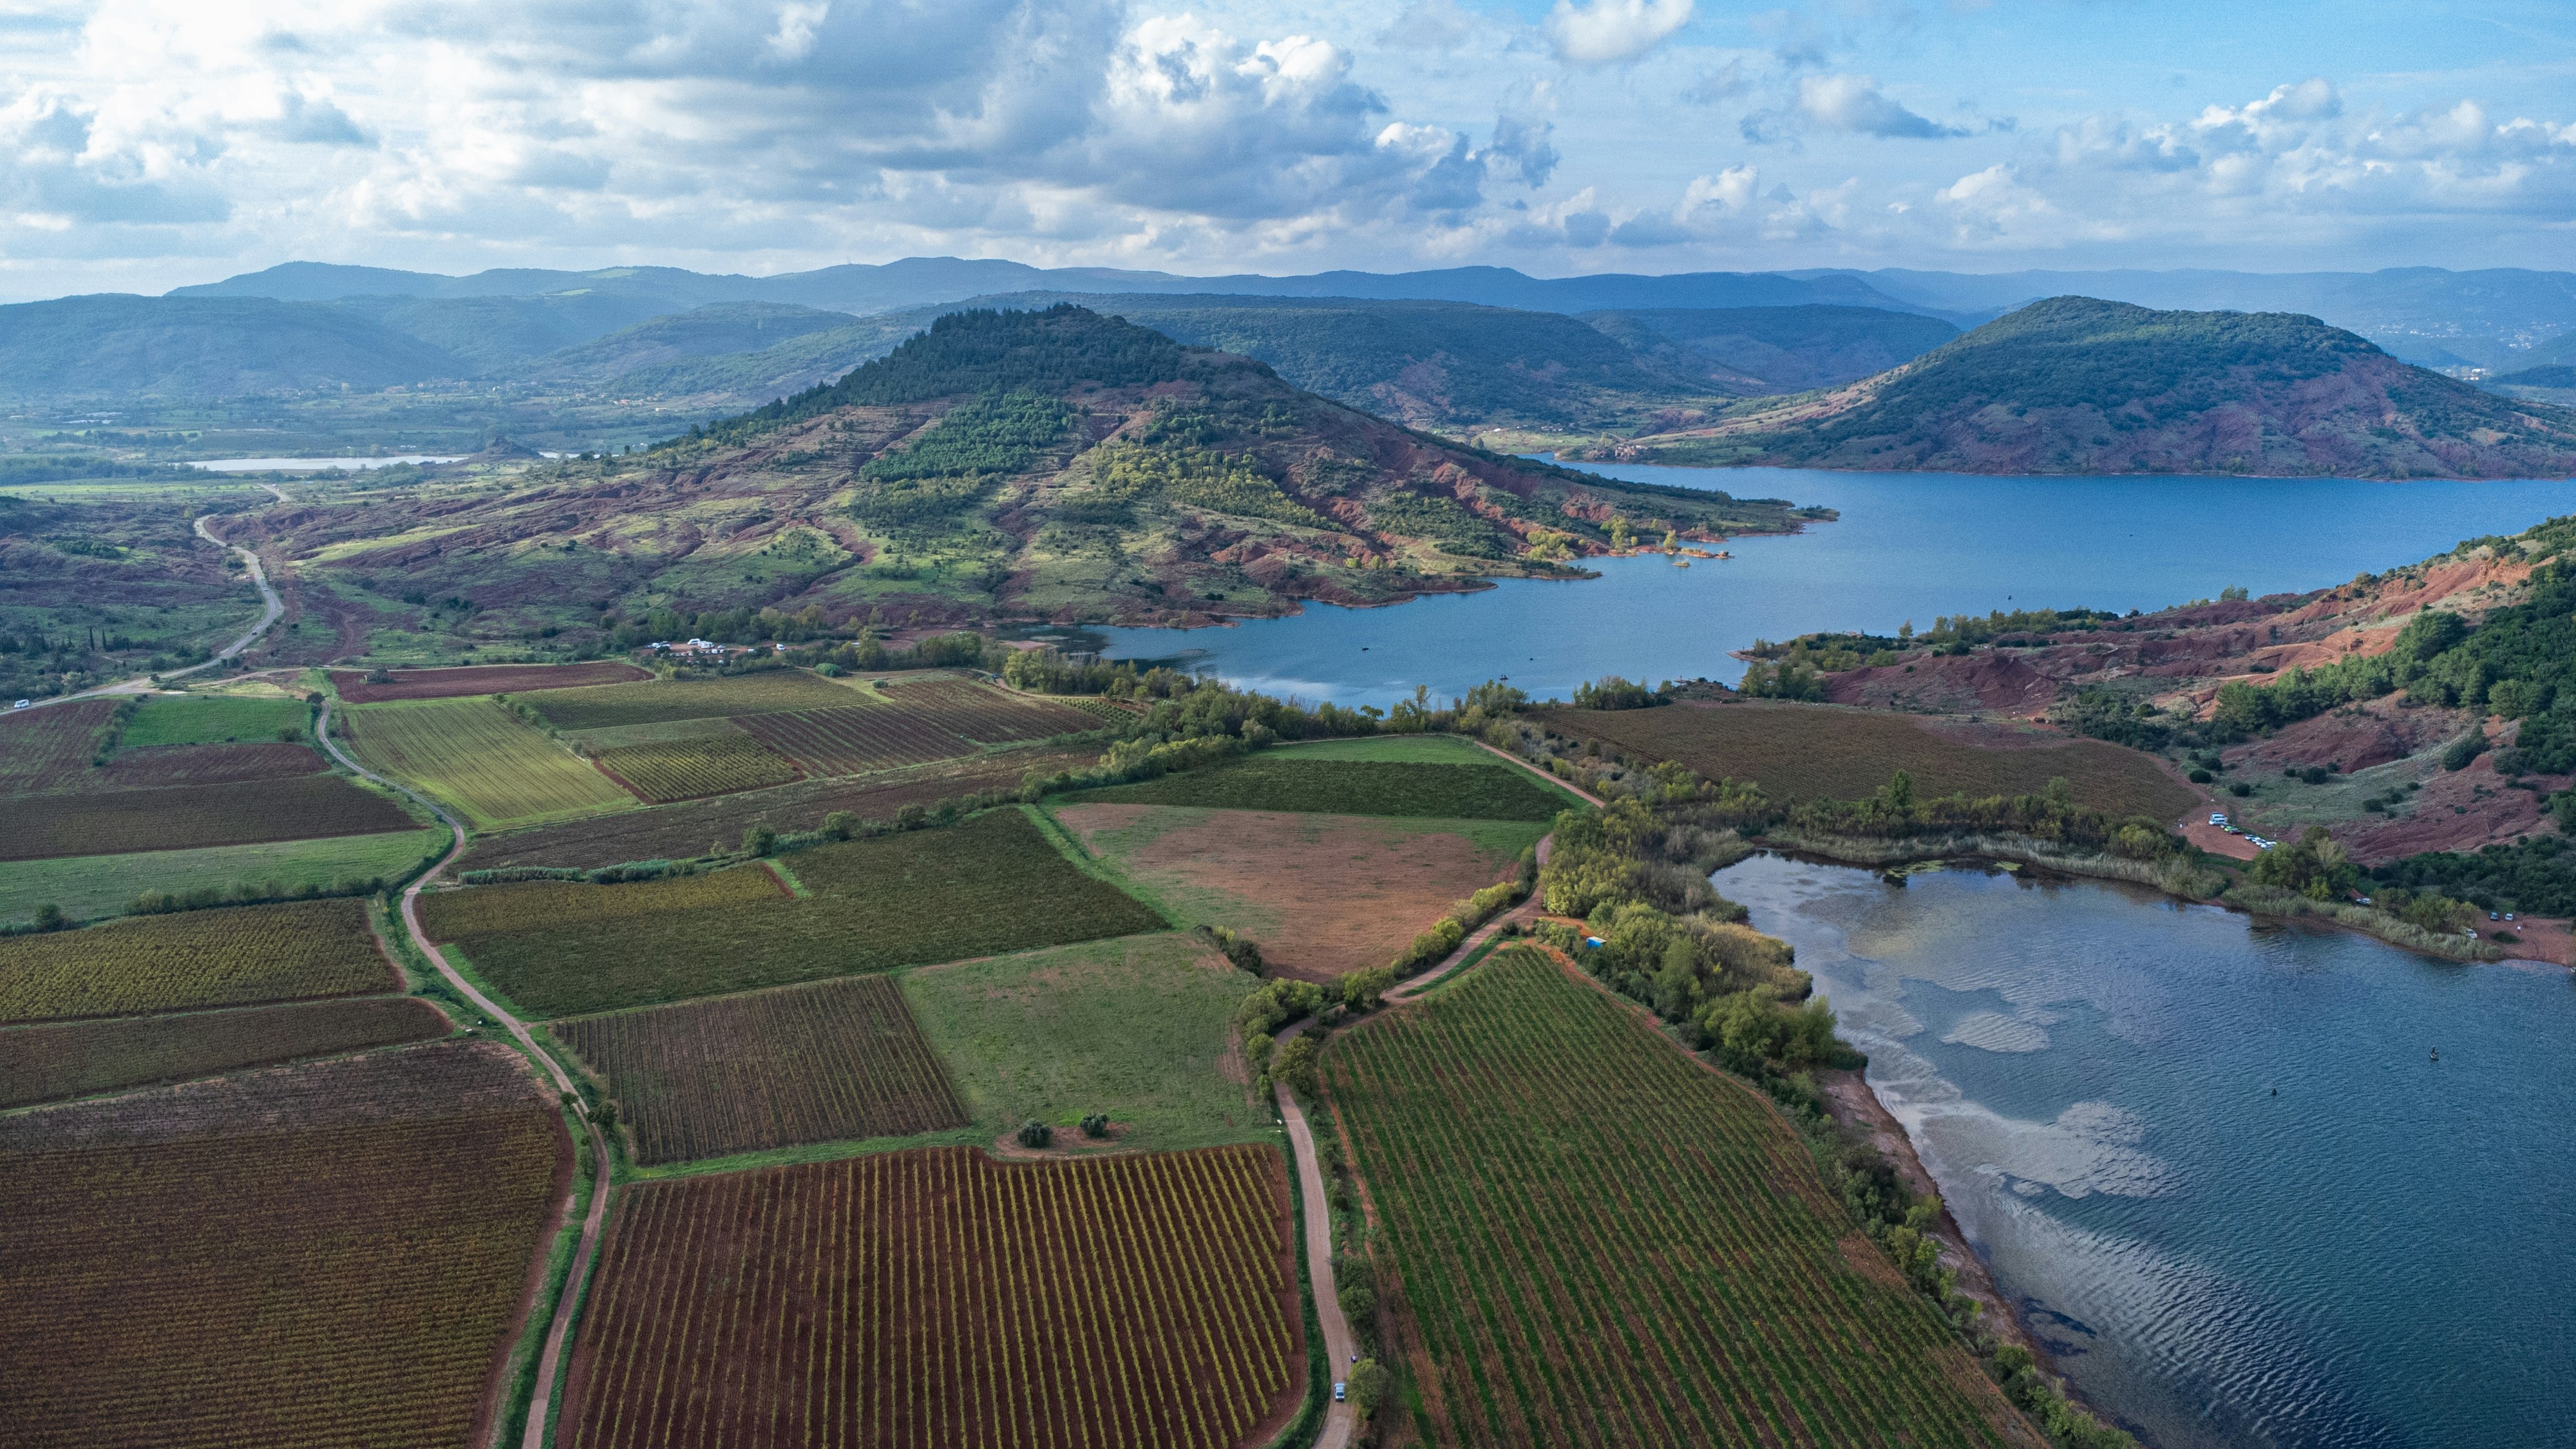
x=2215 y=1160
x=1908 y=546
x=316 y=465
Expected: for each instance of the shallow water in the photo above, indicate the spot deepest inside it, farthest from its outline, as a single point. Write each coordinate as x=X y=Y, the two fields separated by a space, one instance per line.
x=2216 y=1161
x=315 y=465
x=1908 y=546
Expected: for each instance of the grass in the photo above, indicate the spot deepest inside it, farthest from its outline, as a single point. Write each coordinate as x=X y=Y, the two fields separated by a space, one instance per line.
x=672 y=770
x=607 y=706
x=481 y=760
x=75 y=1058
x=1600 y=1241
x=231 y=956
x=207 y=720
x=1403 y=749
x=1825 y=752
x=829 y=1061
x=91 y=886
x=990 y=885
x=1342 y=786
x=1138 y=1028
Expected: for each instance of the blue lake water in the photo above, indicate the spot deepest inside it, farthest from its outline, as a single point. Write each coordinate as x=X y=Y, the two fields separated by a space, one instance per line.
x=2377 y=1255
x=1908 y=546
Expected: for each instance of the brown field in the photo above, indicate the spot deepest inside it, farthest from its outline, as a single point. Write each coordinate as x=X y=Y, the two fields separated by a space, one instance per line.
x=982 y=712
x=183 y=817
x=374 y=1249
x=208 y=765
x=838 y=1059
x=46 y=749
x=73 y=1059
x=481 y=679
x=1828 y=752
x=937 y=1297
x=678 y=831
x=1322 y=894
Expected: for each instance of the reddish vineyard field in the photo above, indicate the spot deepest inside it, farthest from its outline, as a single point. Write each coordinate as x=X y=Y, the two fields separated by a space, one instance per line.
x=231 y=956
x=46 y=749
x=938 y=1298
x=1600 y=1241
x=839 y=1059
x=357 y=1286
x=71 y=1059
x=209 y=765
x=980 y=712
x=855 y=739
x=183 y=817
x=481 y=679
x=672 y=770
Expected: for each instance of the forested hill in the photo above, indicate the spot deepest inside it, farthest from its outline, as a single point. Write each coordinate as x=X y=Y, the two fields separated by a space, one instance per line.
x=2075 y=385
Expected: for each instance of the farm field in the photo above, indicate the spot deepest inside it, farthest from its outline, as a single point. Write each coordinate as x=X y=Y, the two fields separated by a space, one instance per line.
x=353 y=687
x=1139 y=1028
x=47 y=749
x=818 y=1063
x=1275 y=780
x=1812 y=752
x=672 y=770
x=1322 y=894
x=160 y=765
x=1675 y=1270
x=91 y=886
x=989 y=885
x=1404 y=749
x=197 y=719
x=71 y=1059
x=422 y=1178
x=608 y=705
x=183 y=817
x=1132 y=1300
x=229 y=956
x=678 y=831
x=855 y=739
x=479 y=759
x=983 y=713
x=493 y=910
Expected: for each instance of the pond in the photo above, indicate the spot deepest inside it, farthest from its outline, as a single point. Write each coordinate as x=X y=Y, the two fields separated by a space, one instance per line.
x=2218 y=1162
x=1908 y=546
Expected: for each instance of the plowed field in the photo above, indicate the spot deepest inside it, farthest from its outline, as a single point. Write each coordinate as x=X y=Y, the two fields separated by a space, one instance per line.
x=938 y=1298
x=838 y=1059
x=1603 y=1242
x=208 y=765
x=46 y=749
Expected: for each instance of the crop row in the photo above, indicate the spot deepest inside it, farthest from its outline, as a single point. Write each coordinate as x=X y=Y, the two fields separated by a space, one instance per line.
x=209 y=765
x=70 y=1059
x=272 y=1287
x=664 y=771
x=183 y=817
x=1600 y=1241
x=941 y=1299
x=1352 y=787
x=228 y=957
x=496 y=910
x=980 y=712
x=610 y=706
x=45 y=749
x=480 y=679
x=838 y=1059
x=480 y=758
x=855 y=739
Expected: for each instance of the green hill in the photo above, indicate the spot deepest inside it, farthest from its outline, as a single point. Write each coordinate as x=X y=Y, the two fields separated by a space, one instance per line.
x=2075 y=385
x=717 y=329
x=1782 y=349
x=114 y=346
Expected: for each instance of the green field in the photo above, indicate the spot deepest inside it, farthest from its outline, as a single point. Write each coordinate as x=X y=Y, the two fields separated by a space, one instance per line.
x=1405 y=749
x=73 y=1058
x=478 y=758
x=611 y=706
x=990 y=885
x=500 y=910
x=232 y=956
x=1601 y=1241
x=1342 y=785
x=211 y=720
x=1137 y=1028
x=91 y=886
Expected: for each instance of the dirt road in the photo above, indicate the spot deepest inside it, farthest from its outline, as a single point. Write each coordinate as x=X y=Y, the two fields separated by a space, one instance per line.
x=1339 y=1344
x=549 y=1364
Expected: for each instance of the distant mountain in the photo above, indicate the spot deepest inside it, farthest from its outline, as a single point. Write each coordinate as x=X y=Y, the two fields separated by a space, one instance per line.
x=717 y=329
x=114 y=346
x=2500 y=317
x=2557 y=375
x=499 y=335
x=1777 y=349
x=2077 y=385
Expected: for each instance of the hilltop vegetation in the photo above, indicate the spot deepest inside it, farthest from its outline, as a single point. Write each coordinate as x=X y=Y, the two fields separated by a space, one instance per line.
x=2074 y=385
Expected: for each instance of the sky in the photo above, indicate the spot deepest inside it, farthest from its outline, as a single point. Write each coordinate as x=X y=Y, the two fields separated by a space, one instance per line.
x=146 y=144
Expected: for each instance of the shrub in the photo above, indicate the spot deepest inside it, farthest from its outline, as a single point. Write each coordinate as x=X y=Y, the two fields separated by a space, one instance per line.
x=2464 y=750
x=1034 y=1134
x=1361 y=990
x=1294 y=1066
x=1096 y=1125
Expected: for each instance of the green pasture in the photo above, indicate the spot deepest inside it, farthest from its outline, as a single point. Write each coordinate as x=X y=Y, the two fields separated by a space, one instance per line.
x=90 y=886
x=187 y=719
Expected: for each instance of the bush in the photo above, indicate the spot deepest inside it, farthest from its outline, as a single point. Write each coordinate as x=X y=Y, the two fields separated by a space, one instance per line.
x=1096 y=1125
x=1368 y=1383
x=1361 y=990
x=2201 y=777
x=2464 y=750
x=1294 y=1066
x=1034 y=1134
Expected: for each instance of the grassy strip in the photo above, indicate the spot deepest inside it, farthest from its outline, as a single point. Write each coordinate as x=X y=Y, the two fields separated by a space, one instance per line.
x=2181 y=876
x=2263 y=900
x=93 y=887
x=628 y=1171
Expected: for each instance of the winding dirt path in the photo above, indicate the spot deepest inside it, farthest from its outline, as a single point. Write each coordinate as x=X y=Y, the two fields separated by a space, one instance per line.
x=549 y=1364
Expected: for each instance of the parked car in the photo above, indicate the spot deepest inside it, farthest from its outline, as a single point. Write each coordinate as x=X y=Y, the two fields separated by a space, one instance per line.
x=1340 y=1391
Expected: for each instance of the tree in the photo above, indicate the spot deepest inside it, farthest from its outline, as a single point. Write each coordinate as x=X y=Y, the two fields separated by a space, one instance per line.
x=758 y=840
x=1294 y=1067
x=1361 y=990
x=1368 y=1382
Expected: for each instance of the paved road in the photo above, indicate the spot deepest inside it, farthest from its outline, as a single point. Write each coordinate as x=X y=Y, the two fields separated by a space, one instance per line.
x=550 y=1362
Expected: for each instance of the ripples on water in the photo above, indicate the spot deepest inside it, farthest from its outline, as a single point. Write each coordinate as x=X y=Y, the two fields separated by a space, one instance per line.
x=2380 y=1254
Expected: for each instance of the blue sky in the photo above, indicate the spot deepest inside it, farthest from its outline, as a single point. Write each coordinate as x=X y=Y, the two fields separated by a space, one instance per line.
x=147 y=143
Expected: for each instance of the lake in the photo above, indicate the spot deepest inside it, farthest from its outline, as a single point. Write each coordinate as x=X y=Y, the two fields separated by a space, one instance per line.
x=317 y=465
x=1908 y=546
x=2216 y=1161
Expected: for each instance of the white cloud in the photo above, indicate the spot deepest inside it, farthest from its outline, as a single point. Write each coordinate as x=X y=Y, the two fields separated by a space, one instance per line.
x=1607 y=32
x=1854 y=103
x=797 y=22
